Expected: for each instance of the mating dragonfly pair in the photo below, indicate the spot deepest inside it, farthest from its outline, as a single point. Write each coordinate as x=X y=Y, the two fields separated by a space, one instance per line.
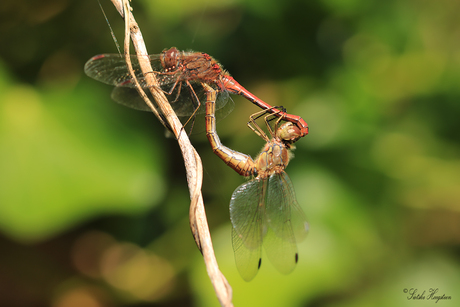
x=264 y=210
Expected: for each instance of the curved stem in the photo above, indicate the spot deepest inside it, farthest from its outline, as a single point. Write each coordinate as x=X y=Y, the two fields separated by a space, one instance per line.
x=198 y=221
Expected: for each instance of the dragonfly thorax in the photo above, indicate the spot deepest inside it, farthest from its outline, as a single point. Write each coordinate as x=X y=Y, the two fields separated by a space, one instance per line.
x=273 y=158
x=191 y=66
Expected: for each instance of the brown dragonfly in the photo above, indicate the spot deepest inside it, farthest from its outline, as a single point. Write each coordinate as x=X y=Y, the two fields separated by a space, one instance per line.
x=264 y=210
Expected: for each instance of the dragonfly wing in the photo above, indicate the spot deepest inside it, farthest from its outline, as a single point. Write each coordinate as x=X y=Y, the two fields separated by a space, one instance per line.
x=299 y=222
x=287 y=223
x=183 y=103
x=183 y=106
x=224 y=105
x=248 y=261
x=246 y=214
x=111 y=69
x=186 y=102
x=129 y=97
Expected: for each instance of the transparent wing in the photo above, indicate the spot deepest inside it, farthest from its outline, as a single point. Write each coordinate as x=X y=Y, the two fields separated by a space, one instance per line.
x=246 y=214
x=287 y=223
x=111 y=69
x=181 y=99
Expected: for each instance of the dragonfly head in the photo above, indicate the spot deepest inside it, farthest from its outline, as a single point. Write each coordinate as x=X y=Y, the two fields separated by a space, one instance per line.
x=288 y=133
x=170 y=58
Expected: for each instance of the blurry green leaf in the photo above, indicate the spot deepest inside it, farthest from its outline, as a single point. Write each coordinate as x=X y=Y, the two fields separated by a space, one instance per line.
x=59 y=166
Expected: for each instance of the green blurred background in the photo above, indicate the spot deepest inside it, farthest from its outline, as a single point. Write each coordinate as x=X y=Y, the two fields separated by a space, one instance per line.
x=93 y=197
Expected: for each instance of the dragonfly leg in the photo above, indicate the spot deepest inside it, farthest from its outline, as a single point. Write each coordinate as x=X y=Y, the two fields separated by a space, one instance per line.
x=194 y=98
x=269 y=117
x=252 y=124
x=241 y=163
x=178 y=90
x=173 y=87
x=165 y=78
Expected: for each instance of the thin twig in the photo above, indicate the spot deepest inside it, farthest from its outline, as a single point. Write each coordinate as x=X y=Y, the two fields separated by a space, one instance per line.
x=198 y=221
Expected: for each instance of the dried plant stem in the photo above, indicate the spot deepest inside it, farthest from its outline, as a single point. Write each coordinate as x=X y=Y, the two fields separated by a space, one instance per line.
x=198 y=221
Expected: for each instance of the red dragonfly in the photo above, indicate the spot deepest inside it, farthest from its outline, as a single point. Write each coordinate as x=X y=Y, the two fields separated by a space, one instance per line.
x=174 y=70
x=264 y=210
